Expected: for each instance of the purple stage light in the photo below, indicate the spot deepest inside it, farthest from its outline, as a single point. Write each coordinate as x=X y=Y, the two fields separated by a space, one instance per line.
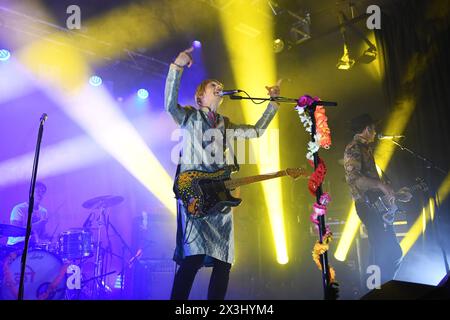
x=197 y=44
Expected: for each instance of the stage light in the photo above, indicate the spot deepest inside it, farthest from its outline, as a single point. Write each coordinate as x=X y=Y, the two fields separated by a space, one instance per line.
x=142 y=94
x=95 y=81
x=197 y=44
x=345 y=63
x=97 y=113
x=4 y=55
x=350 y=229
x=257 y=36
x=419 y=225
x=368 y=56
x=278 y=45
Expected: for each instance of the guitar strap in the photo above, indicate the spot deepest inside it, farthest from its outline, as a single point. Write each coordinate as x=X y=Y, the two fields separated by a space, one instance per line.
x=224 y=145
x=226 y=125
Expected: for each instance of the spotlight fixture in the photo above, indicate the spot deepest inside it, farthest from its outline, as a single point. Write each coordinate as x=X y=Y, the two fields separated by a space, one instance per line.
x=197 y=44
x=368 y=56
x=95 y=81
x=142 y=94
x=278 y=45
x=4 y=55
x=345 y=63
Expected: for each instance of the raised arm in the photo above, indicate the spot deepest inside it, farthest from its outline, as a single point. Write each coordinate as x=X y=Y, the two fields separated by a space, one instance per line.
x=178 y=113
x=249 y=131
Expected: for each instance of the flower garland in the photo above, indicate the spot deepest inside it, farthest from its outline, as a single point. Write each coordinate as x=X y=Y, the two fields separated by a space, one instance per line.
x=320 y=209
x=317 y=177
x=323 y=133
x=322 y=139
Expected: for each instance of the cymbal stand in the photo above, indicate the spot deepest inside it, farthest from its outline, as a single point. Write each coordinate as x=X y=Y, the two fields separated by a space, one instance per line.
x=125 y=247
x=100 y=256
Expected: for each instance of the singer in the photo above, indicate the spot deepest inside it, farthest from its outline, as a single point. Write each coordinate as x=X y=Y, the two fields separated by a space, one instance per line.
x=207 y=241
x=362 y=177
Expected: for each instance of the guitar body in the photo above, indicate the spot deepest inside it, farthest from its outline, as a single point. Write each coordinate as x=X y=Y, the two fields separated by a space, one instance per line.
x=379 y=202
x=203 y=193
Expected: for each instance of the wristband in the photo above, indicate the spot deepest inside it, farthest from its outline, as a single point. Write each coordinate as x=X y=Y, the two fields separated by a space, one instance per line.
x=177 y=65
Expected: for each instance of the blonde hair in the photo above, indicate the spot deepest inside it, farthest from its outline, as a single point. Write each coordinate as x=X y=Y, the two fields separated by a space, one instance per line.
x=201 y=90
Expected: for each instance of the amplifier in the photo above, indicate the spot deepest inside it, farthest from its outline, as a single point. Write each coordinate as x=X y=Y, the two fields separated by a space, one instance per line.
x=336 y=227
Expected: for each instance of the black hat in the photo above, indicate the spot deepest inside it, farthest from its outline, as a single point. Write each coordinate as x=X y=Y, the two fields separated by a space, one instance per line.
x=359 y=123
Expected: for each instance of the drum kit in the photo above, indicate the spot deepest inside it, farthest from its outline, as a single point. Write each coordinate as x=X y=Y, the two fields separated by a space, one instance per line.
x=49 y=263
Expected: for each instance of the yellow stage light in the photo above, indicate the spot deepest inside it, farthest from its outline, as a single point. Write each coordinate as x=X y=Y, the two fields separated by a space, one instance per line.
x=248 y=33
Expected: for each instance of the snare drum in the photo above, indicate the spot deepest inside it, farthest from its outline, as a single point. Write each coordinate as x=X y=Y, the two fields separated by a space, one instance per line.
x=75 y=244
x=45 y=245
x=44 y=278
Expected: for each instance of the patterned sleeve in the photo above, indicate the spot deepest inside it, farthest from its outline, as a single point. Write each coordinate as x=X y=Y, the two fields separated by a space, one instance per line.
x=248 y=131
x=178 y=113
x=352 y=163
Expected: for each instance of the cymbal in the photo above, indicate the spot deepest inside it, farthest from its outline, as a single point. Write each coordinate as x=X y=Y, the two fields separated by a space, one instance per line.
x=10 y=230
x=102 y=202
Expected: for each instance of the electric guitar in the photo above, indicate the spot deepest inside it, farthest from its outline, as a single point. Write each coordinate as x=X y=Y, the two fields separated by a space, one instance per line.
x=380 y=202
x=205 y=192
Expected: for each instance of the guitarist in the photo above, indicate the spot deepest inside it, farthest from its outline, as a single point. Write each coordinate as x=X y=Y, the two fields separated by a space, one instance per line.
x=207 y=241
x=362 y=177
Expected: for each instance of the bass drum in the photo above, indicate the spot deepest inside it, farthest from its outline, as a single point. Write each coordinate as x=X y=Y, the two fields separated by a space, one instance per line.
x=44 y=279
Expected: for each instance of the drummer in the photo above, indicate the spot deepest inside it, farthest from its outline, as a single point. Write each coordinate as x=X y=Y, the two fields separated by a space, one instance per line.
x=19 y=215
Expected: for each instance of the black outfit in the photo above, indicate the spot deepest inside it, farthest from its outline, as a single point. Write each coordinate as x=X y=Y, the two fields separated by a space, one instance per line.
x=185 y=275
x=385 y=250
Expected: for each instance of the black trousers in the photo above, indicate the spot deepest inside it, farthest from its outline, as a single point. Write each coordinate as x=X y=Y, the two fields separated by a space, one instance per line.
x=185 y=276
x=385 y=251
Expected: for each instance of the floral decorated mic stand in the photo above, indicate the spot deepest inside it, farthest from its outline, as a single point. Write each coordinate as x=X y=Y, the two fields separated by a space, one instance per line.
x=312 y=115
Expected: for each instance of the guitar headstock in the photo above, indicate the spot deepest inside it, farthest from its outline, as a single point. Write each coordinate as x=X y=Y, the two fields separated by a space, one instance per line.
x=421 y=185
x=296 y=173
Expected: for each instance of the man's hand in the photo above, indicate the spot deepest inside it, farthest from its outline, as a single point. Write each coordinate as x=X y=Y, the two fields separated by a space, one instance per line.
x=185 y=58
x=274 y=91
x=388 y=191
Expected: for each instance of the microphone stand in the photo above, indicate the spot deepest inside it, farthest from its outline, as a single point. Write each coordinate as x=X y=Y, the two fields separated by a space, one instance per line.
x=283 y=99
x=30 y=207
x=430 y=164
x=434 y=194
x=124 y=247
x=329 y=291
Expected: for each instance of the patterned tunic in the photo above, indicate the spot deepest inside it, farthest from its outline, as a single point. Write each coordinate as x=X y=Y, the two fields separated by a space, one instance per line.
x=213 y=234
x=359 y=161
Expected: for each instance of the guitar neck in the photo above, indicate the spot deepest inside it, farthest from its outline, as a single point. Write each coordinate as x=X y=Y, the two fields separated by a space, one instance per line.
x=234 y=183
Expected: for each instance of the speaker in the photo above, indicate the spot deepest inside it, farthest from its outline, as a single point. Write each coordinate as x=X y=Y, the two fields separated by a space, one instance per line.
x=153 y=272
x=153 y=279
x=402 y=290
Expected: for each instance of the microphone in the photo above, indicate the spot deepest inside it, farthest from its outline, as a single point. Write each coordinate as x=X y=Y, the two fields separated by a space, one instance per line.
x=383 y=137
x=228 y=92
x=44 y=117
